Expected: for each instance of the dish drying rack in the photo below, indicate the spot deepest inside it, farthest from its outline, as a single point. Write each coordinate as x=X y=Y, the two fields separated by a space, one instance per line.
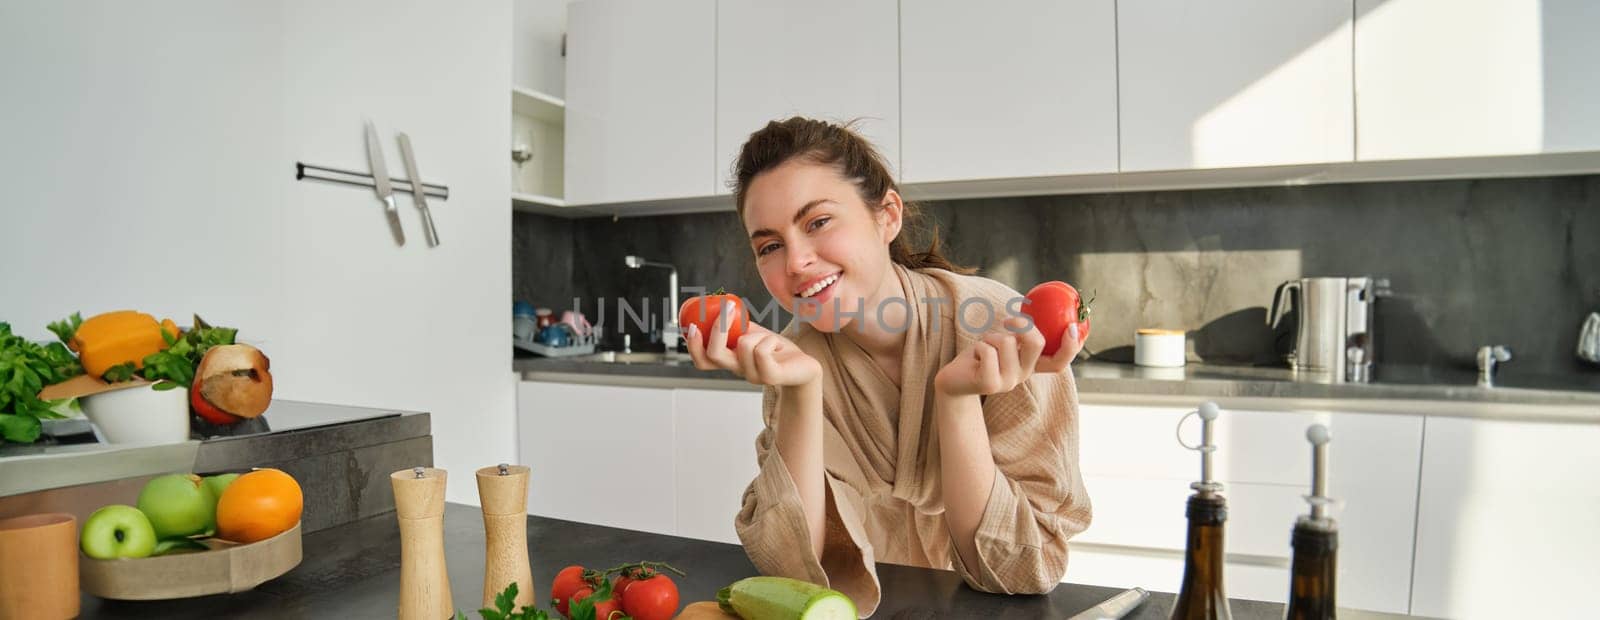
x=581 y=345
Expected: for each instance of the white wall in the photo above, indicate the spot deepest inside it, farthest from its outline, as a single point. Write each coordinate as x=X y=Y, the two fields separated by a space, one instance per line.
x=149 y=163
x=536 y=60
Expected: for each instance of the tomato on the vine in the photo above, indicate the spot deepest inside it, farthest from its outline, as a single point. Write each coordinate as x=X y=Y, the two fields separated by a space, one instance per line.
x=1054 y=305
x=650 y=596
x=603 y=610
x=567 y=583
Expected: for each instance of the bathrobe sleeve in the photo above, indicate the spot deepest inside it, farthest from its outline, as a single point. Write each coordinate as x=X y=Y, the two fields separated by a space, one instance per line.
x=772 y=525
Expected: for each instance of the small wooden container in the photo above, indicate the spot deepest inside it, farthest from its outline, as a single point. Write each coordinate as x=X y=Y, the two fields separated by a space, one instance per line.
x=39 y=566
x=503 y=493
x=226 y=567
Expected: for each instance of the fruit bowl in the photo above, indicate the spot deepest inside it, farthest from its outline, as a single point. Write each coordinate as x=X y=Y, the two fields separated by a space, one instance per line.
x=225 y=567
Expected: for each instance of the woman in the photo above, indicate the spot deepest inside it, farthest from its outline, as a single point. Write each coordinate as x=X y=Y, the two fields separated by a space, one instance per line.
x=909 y=417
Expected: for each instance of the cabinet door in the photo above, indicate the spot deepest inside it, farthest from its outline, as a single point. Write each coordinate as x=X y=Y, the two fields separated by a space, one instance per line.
x=640 y=88
x=714 y=458
x=1230 y=83
x=1138 y=479
x=1506 y=508
x=834 y=60
x=1446 y=78
x=1016 y=88
x=598 y=454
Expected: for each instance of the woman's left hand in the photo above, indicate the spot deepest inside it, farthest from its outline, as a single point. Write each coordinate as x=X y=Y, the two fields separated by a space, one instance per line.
x=1003 y=360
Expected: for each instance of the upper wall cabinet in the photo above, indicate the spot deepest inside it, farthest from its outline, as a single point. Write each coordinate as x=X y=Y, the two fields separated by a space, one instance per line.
x=830 y=59
x=1228 y=83
x=640 y=107
x=1007 y=89
x=1445 y=78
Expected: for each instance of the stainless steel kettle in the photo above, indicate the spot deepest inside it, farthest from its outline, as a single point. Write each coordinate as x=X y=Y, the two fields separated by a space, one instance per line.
x=1334 y=334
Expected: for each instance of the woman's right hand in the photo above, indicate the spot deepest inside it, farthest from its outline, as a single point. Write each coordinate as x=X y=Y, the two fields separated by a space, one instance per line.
x=761 y=356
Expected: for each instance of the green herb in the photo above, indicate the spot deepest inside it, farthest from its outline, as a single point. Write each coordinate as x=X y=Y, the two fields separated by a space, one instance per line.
x=25 y=368
x=121 y=372
x=584 y=609
x=66 y=328
x=174 y=366
x=506 y=601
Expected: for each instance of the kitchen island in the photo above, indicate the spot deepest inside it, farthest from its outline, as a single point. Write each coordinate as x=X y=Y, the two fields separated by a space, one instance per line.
x=353 y=571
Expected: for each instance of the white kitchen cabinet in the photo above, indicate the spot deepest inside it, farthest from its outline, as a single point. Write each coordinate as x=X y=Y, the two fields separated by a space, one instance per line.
x=640 y=115
x=1447 y=78
x=1507 y=508
x=714 y=459
x=599 y=454
x=1232 y=83
x=1017 y=88
x=834 y=60
x=1264 y=462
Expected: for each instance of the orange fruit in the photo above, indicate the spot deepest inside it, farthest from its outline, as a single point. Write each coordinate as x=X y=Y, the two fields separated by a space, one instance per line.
x=258 y=506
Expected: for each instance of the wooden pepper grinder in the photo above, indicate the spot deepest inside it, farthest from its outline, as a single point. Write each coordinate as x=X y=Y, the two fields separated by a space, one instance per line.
x=424 y=582
x=503 y=493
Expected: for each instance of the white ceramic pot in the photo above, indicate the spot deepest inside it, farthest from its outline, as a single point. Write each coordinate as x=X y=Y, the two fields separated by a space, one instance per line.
x=141 y=414
x=1159 y=348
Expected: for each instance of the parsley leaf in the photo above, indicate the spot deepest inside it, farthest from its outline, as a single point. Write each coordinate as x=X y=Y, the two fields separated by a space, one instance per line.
x=25 y=368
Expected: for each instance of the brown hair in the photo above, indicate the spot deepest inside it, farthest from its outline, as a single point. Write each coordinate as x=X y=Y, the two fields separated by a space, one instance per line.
x=856 y=160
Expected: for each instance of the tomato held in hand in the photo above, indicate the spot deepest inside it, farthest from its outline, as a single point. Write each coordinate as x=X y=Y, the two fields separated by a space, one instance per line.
x=703 y=312
x=568 y=582
x=651 y=597
x=1054 y=305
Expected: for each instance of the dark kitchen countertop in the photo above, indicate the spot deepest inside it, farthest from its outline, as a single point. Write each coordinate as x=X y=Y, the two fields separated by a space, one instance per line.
x=353 y=571
x=1398 y=388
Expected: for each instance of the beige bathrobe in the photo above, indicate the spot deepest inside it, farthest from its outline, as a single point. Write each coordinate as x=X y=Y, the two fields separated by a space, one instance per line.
x=881 y=454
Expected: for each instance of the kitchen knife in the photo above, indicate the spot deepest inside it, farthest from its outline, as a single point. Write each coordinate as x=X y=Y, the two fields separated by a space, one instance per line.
x=1115 y=607
x=380 y=180
x=418 y=194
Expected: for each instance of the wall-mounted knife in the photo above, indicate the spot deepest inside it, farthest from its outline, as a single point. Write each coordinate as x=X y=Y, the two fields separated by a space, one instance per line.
x=380 y=177
x=421 y=198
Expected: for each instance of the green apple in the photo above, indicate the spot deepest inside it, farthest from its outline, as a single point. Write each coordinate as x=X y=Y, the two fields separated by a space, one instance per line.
x=178 y=505
x=216 y=484
x=117 y=531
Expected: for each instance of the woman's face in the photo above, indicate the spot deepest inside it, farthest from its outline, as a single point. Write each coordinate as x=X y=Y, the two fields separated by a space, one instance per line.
x=820 y=250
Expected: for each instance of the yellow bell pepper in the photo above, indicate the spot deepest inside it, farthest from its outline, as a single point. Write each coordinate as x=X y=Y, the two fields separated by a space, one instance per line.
x=115 y=338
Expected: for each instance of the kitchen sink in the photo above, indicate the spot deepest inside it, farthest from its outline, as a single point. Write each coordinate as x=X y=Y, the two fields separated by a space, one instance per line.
x=637 y=357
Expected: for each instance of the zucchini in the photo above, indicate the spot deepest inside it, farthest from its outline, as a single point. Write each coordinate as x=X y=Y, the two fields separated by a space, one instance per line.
x=782 y=598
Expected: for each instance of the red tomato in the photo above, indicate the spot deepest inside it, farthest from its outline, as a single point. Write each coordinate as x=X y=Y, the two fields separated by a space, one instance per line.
x=703 y=311
x=603 y=610
x=569 y=581
x=1054 y=305
x=620 y=585
x=651 y=598
x=207 y=411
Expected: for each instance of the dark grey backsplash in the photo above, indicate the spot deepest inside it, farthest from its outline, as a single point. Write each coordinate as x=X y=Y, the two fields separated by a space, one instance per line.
x=1471 y=262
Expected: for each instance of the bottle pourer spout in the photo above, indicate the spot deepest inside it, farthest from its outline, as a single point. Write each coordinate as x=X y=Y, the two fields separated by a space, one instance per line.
x=1208 y=413
x=1319 y=436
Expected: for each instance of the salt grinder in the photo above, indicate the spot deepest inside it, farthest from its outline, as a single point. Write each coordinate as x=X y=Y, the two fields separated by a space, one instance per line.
x=419 y=505
x=503 y=493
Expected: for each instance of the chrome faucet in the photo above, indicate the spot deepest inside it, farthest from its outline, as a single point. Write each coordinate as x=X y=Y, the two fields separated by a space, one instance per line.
x=1488 y=358
x=669 y=331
